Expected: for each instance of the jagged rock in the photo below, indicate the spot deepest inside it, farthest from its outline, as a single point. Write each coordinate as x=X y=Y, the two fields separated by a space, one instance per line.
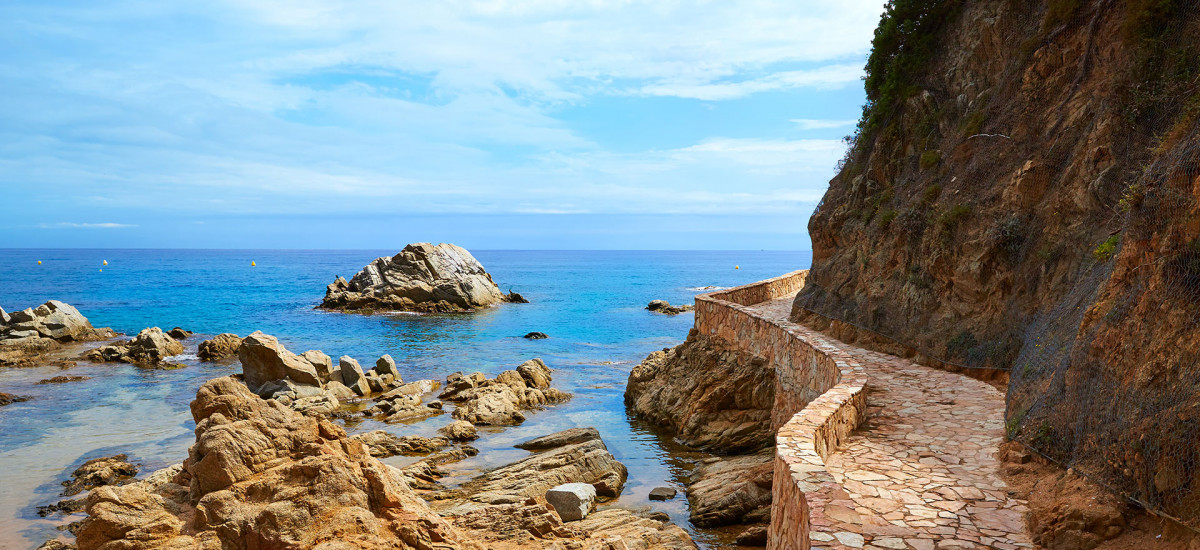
x=219 y=347
x=536 y=336
x=382 y=444
x=586 y=462
x=179 y=333
x=8 y=399
x=662 y=493
x=99 y=472
x=321 y=363
x=53 y=320
x=263 y=476
x=460 y=430
x=664 y=307
x=422 y=277
x=352 y=375
x=572 y=501
x=55 y=545
x=710 y=396
x=500 y=401
x=560 y=439
x=339 y=390
x=150 y=347
x=420 y=387
x=264 y=359
x=733 y=490
x=386 y=365
x=4 y=318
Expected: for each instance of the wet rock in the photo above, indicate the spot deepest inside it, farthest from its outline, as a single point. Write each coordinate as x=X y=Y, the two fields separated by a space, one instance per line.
x=99 y=472
x=709 y=396
x=753 y=536
x=460 y=430
x=664 y=307
x=572 y=501
x=536 y=336
x=8 y=399
x=69 y=506
x=63 y=379
x=733 y=490
x=422 y=277
x=179 y=333
x=221 y=346
x=560 y=439
x=56 y=545
x=382 y=444
x=515 y=298
x=586 y=462
x=662 y=493
x=257 y=477
x=264 y=360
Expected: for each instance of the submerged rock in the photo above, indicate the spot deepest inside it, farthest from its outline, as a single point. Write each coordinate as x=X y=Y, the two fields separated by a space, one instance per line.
x=422 y=277
x=536 y=336
x=221 y=346
x=662 y=493
x=63 y=379
x=179 y=333
x=383 y=444
x=8 y=399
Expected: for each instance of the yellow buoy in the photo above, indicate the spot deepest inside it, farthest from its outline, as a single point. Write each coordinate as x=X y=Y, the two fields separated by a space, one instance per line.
x=252 y=264
x=39 y=262
x=737 y=267
x=105 y=262
x=101 y=271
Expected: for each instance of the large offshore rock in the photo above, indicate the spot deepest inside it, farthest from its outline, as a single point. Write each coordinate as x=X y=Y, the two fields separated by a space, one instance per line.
x=219 y=347
x=422 y=277
x=263 y=476
x=710 y=396
x=264 y=360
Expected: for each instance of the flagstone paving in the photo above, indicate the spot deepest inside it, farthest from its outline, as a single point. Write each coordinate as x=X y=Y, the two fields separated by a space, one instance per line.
x=921 y=473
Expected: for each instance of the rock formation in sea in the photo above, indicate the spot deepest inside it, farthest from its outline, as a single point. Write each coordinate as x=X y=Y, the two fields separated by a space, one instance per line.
x=714 y=399
x=501 y=400
x=422 y=277
x=261 y=475
x=28 y=334
x=664 y=307
x=150 y=347
x=221 y=346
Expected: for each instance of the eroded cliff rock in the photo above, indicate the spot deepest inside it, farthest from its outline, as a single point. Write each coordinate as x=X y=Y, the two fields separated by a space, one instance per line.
x=710 y=396
x=422 y=277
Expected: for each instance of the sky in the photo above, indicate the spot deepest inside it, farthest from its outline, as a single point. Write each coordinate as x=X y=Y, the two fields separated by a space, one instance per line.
x=554 y=124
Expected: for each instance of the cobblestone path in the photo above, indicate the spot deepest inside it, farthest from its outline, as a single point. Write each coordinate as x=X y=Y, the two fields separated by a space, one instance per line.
x=921 y=473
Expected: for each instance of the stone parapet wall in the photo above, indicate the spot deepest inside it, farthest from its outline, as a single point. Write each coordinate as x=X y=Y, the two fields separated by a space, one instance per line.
x=819 y=396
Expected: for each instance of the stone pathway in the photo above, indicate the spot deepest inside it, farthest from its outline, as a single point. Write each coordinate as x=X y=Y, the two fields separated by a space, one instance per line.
x=921 y=472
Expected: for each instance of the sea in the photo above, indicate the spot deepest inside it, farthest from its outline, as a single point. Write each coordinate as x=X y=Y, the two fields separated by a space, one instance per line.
x=590 y=303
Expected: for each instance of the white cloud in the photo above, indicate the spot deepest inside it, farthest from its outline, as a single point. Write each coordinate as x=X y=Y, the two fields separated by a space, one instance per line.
x=816 y=124
x=70 y=225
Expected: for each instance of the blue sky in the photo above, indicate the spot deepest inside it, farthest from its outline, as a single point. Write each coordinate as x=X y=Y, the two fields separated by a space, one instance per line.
x=371 y=124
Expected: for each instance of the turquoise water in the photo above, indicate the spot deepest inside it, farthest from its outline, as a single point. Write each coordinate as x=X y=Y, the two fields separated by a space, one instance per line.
x=590 y=303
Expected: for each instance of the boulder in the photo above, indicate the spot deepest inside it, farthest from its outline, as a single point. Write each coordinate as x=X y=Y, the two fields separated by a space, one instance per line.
x=535 y=336
x=97 y=472
x=218 y=347
x=572 y=501
x=422 y=277
x=387 y=365
x=152 y=345
x=560 y=439
x=662 y=493
x=339 y=390
x=535 y=373
x=501 y=400
x=24 y=316
x=322 y=363
x=264 y=359
x=352 y=375
x=4 y=318
x=459 y=430
x=664 y=307
x=8 y=399
x=263 y=476
x=179 y=334
x=54 y=320
x=733 y=490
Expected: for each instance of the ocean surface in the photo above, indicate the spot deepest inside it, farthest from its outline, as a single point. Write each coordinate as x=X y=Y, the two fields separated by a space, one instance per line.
x=590 y=303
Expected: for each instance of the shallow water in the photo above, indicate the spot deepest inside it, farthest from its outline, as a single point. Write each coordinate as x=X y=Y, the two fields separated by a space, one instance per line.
x=589 y=302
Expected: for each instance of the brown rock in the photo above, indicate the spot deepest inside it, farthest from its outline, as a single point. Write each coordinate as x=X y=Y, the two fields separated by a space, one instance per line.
x=382 y=444
x=586 y=462
x=264 y=360
x=560 y=439
x=422 y=277
x=460 y=430
x=98 y=472
x=219 y=347
x=733 y=490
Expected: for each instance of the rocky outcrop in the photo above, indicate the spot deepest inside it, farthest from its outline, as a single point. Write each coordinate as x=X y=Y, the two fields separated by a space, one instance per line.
x=664 y=307
x=732 y=490
x=560 y=439
x=97 y=472
x=28 y=337
x=382 y=444
x=180 y=333
x=459 y=430
x=263 y=476
x=585 y=462
x=221 y=346
x=8 y=399
x=150 y=347
x=501 y=400
x=422 y=277
x=711 y=397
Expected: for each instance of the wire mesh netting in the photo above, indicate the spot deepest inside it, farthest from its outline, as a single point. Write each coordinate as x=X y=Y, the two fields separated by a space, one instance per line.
x=1087 y=230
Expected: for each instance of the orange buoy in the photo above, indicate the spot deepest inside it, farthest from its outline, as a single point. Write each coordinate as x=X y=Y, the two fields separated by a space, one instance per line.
x=737 y=267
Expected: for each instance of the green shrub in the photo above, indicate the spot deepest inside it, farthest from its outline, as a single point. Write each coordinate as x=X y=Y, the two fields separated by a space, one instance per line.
x=930 y=159
x=961 y=344
x=1059 y=12
x=885 y=219
x=1105 y=251
x=952 y=216
x=973 y=124
x=1147 y=19
x=931 y=194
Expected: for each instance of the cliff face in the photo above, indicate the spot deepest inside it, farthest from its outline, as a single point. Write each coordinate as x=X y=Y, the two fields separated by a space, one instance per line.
x=1023 y=193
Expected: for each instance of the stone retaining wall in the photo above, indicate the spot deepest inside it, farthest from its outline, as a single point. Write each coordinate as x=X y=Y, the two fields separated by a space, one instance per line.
x=818 y=394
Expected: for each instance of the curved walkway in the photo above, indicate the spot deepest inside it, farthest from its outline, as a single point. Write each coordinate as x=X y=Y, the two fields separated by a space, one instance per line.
x=921 y=472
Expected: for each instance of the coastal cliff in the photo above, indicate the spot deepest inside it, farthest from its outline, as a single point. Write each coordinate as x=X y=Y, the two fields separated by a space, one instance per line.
x=1022 y=194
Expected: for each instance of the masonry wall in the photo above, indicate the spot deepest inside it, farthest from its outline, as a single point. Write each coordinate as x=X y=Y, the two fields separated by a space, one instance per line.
x=818 y=394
